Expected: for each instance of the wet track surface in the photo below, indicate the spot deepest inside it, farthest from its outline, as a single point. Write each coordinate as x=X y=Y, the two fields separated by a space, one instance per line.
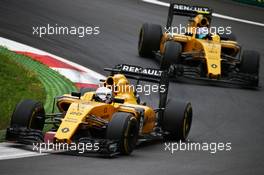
x=220 y=114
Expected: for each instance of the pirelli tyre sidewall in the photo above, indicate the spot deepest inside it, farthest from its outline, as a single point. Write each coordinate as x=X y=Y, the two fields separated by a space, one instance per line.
x=177 y=120
x=149 y=39
x=123 y=128
x=28 y=114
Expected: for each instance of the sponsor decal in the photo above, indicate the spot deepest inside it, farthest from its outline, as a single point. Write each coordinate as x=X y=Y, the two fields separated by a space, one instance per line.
x=72 y=120
x=75 y=113
x=146 y=71
x=214 y=66
x=191 y=8
x=65 y=130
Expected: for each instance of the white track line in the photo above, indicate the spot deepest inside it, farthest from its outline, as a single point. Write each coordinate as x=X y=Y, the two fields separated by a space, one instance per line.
x=9 y=151
x=16 y=46
x=165 y=4
x=77 y=76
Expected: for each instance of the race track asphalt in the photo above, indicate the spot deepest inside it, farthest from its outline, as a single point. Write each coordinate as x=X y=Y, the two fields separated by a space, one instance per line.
x=220 y=114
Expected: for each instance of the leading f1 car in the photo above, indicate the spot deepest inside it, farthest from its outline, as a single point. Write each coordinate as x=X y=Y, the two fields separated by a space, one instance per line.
x=113 y=117
x=199 y=54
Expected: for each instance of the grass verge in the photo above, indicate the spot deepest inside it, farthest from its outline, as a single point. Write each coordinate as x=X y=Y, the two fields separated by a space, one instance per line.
x=23 y=78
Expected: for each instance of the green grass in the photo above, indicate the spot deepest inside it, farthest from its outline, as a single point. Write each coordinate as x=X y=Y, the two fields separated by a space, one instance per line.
x=23 y=78
x=2 y=135
x=16 y=83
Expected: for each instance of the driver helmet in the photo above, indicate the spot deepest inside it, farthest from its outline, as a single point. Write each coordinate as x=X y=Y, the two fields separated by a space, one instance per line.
x=201 y=32
x=104 y=94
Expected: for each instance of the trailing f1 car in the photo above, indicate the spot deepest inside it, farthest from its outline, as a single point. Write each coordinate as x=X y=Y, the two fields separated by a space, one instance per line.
x=198 y=53
x=112 y=115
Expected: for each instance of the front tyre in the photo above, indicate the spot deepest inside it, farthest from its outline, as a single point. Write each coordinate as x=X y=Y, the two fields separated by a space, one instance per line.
x=28 y=114
x=250 y=64
x=124 y=128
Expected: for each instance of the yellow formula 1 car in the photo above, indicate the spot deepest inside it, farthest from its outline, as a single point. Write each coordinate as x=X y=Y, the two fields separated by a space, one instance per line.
x=111 y=116
x=204 y=56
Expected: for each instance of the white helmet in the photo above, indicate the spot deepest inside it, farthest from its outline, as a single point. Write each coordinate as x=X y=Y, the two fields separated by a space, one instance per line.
x=103 y=94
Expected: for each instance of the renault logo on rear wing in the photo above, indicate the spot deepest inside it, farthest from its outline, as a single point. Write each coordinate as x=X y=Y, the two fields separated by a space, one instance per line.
x=140 y=70
x=197 y=9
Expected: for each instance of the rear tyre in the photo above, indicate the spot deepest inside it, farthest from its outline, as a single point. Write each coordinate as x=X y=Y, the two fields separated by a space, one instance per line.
x=124 y=128
x=84 y=90
x=171 y=54
x=149 y=39
x=177 y=120
x=28 y=114
x=250 y=63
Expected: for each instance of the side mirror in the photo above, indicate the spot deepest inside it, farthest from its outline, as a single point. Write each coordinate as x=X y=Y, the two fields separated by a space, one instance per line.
x=76 y=94
x=118 y=100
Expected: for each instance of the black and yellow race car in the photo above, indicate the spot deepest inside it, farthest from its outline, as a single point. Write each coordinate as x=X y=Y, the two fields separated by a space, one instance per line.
x=112 y=116
x=214 y=57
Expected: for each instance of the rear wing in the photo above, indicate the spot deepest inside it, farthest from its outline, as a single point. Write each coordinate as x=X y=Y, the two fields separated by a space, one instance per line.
x=187 y=10
x=145 y=74
x=137 y=72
